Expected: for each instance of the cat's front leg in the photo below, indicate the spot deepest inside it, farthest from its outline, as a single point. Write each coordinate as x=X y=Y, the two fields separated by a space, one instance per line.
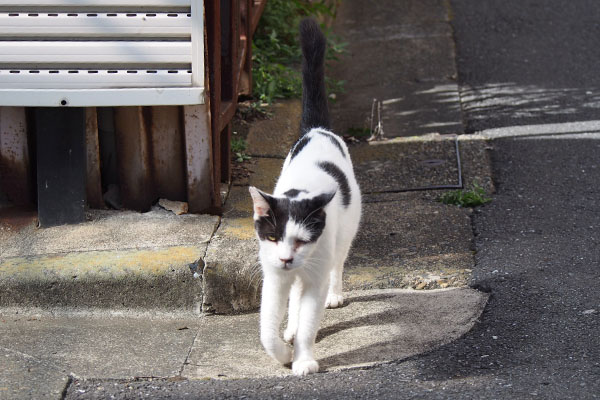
x=293 y=312
x=309 y=320
x=275 y=293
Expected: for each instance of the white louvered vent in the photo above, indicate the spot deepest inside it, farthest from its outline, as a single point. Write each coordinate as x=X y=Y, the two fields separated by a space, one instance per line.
x=101 y=53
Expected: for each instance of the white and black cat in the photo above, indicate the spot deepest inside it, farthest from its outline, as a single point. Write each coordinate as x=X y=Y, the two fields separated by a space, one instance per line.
x=307 y=225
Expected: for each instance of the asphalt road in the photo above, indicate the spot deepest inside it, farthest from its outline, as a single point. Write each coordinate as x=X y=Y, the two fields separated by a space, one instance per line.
x=538 y=253
x=527 y=61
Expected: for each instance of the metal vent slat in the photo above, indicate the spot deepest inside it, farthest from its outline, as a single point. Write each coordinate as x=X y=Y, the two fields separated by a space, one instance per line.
x=83 y=53
x=113 y=52
x=93 y=79
x=99 y=3
x=95 y=25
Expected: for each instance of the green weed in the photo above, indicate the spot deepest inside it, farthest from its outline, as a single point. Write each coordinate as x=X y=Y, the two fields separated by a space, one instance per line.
x=476 y=196
x=276 y=52
x=238 y=146
x=359 y=132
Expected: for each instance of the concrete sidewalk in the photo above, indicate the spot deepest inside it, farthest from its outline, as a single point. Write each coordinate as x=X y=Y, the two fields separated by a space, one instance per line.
x=42 y=352
x=129 y=261
x=119 y=297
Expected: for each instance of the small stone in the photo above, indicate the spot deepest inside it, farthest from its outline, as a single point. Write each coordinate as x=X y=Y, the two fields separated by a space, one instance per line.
x=178 y=207
x=444 y=285
x=588 y=312
x=421 y=286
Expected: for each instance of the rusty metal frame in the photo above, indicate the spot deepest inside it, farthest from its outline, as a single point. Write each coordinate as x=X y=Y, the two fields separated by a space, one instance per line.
x=230 y=26
x=178 y=152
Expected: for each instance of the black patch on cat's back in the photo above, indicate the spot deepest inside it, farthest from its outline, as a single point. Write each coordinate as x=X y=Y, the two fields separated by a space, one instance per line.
x=304 y=140
x=333 y=138
x=293 y=193
x=340 y=177
x=300 y=144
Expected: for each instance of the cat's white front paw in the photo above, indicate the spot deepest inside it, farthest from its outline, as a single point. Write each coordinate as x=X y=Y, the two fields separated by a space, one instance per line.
x=289 y=334
x=305 y=367
x=283 y=354
x=279 y=351
x=334 y=300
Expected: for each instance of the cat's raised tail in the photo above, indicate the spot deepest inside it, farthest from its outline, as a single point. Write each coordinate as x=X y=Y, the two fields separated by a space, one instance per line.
x=314 y=95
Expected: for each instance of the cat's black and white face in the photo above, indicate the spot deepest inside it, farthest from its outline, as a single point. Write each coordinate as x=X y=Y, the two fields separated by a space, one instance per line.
x=288 y=227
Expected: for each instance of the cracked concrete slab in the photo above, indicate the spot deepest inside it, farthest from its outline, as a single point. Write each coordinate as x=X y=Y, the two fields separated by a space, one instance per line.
x=388 y=166
x=107 y=346
x=23 y=376
x=410 y=242
x=375 y=326
x=109 y=230
x=117 y=259
x=413 y=52
x=273 y=137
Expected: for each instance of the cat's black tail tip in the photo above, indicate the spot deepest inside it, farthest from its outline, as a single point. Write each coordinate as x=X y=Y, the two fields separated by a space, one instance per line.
x=312 y=40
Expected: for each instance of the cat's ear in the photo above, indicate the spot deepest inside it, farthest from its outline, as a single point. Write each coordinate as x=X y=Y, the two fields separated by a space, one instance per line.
x=261 y=205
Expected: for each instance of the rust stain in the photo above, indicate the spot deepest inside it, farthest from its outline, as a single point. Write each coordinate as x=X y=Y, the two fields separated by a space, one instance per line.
x=241 y=228
x=104 y=263
x=17 y=218
x=15 y=171
x=93 y=178
x=168 y=156
x=133 y=148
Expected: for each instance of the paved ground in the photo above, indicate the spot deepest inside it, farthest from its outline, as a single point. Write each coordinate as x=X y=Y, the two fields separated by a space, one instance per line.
x=519 y=63
x=527 y=62
x=537 y=255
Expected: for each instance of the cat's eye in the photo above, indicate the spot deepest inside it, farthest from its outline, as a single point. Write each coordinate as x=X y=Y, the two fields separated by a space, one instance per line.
x=300 y=243
x=271 y=238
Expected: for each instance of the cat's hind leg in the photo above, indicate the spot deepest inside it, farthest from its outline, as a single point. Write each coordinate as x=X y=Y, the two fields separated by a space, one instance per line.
x=335 y=298
x=346 y=231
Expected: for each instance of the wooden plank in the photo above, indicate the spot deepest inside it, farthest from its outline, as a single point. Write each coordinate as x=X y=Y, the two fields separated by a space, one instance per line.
x=227 y=112
x=146 y=53
x=93 y=187
x=95 y=25
x=15 y=170
x=226 y=154
x=257 y=10
x=168 y=159
x=199 y=161
x=61 y=171
x=134 y=159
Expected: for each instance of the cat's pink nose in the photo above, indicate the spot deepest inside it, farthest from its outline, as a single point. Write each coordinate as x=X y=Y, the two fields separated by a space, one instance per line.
x=286 y=260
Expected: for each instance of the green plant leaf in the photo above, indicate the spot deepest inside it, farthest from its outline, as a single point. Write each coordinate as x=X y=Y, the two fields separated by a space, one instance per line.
x=476 y=196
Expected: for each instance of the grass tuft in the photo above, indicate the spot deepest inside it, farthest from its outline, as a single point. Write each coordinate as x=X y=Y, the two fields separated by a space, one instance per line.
x=476 y=196
x=276 y=51
x=238 y=148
